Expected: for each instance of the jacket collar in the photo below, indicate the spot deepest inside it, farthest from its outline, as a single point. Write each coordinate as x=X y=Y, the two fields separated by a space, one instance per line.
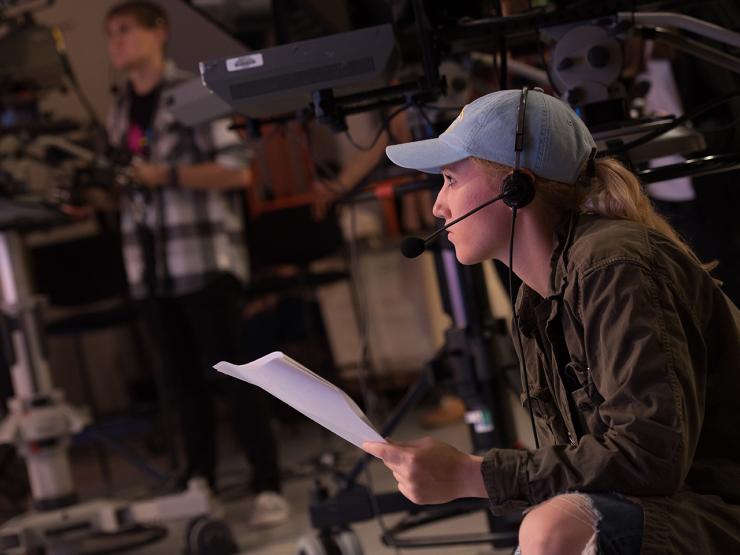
x=564 y=235
x=528 y=299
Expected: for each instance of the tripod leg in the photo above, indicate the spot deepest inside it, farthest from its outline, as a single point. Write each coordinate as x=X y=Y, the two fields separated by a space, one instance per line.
x=85 y=379
x=410 y=399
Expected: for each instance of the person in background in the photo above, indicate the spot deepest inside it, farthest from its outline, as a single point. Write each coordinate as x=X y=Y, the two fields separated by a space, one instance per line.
x=184 y=251
x=632 y=349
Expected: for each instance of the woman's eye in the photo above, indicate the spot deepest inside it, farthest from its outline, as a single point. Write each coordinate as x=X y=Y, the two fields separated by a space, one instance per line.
x=449 y=180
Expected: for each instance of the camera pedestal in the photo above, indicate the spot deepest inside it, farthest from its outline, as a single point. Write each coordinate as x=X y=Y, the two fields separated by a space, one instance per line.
x=40 y=424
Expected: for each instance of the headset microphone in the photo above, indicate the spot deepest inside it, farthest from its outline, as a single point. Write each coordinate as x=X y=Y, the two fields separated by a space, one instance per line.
x=517 y=191
x=411 y=247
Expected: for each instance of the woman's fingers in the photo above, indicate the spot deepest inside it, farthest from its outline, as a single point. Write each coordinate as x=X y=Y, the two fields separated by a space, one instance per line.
x=375 y=448
x=390 y=453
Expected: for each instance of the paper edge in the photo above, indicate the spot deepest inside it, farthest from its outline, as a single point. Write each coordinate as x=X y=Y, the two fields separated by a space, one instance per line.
x=238 y=371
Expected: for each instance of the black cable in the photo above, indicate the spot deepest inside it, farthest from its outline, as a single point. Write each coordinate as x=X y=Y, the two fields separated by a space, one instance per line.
x=647 y=137
x=303 y=143
x=362 y=311
x=157 y=533
x=522 y=362
x=543 y=61
x=135 y=460
x=357 y=284
x=383 y=127
x=719 y=128
x=357 y=145
x=72 y=76
x=504 y=65
x=85 y=101
x=444 y=108
x=424 y=116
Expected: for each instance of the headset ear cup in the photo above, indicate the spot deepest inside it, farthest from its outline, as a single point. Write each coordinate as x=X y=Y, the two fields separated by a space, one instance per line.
x=518 y=188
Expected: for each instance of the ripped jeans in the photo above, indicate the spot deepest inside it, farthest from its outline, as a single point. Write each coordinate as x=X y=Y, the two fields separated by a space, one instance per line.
x=618 y=523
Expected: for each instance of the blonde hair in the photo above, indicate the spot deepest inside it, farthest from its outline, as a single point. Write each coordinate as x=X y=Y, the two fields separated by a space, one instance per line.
x=614 y=192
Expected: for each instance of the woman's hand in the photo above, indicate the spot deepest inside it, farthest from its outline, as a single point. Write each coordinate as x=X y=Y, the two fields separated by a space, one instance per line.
x=429 y=471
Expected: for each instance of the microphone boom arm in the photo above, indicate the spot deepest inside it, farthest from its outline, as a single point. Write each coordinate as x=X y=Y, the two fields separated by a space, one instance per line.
x=469 y=213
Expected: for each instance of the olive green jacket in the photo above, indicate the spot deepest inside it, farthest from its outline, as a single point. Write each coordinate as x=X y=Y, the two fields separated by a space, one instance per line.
x=650 y=352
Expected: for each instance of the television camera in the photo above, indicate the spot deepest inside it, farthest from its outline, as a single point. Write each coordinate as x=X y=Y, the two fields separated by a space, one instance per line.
x=40 y=423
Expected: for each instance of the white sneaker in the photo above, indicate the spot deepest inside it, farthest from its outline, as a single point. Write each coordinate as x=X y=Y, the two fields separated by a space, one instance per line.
x=270 y=509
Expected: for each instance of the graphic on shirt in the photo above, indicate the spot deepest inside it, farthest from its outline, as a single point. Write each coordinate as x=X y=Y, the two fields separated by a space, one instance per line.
x=142 y=113
x=136 y=140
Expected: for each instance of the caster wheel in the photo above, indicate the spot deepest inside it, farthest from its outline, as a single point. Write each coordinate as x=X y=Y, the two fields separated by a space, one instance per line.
x=208 y=536
x=343 y=542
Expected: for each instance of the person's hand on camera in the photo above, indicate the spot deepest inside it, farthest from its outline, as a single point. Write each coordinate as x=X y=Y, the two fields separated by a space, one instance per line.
x=90 y=201
x=149 y=175
x=324 y=194
x=430 y=471
x=77 y=211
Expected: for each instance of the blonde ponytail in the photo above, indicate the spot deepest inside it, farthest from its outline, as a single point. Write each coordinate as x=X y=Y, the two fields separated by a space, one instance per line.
x=614 y=192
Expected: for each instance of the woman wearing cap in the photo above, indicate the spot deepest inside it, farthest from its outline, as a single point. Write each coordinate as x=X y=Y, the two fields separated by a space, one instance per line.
x=631 y=351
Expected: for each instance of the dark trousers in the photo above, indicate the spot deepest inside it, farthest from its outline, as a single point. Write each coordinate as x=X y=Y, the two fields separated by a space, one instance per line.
x=194 y=332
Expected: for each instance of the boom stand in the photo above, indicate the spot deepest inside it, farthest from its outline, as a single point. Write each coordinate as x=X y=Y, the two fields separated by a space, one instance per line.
x=40 y=424
x=476 y=355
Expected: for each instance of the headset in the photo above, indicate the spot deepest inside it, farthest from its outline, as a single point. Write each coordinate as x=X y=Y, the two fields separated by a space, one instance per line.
x=518 y=186
x=517 y=191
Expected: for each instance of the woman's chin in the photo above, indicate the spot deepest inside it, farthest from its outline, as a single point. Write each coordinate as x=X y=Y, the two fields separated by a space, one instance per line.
x=467 y=258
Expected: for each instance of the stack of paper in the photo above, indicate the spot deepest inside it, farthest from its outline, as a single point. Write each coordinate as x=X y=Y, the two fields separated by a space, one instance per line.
x=296 y=385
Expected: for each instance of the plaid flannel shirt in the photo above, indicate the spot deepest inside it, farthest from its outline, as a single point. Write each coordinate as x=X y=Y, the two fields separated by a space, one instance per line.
x=196 y=235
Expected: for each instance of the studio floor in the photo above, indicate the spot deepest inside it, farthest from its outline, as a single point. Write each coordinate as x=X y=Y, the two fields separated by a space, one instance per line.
x=300 y=442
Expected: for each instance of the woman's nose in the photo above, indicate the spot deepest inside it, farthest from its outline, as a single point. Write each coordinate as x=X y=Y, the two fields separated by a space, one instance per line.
x=440 y=207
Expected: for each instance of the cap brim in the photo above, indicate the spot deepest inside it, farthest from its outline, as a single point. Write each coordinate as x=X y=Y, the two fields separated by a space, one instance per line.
x=429 y=155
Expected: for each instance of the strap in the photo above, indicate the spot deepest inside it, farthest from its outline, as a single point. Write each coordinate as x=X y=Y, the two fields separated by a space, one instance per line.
x=570 y=382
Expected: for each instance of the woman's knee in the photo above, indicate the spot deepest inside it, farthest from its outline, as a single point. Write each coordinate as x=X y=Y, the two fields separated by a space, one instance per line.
x=563 y=524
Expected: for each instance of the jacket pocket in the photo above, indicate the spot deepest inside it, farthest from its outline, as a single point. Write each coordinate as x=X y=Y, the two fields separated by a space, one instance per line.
x=586 y=400
x=547 y=416
x=586 y=397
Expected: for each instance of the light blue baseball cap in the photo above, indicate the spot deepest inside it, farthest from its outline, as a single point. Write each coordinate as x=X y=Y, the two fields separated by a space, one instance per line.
x=556 y=146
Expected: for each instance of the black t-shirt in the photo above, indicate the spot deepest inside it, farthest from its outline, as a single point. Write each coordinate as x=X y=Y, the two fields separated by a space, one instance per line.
x=141 y=116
